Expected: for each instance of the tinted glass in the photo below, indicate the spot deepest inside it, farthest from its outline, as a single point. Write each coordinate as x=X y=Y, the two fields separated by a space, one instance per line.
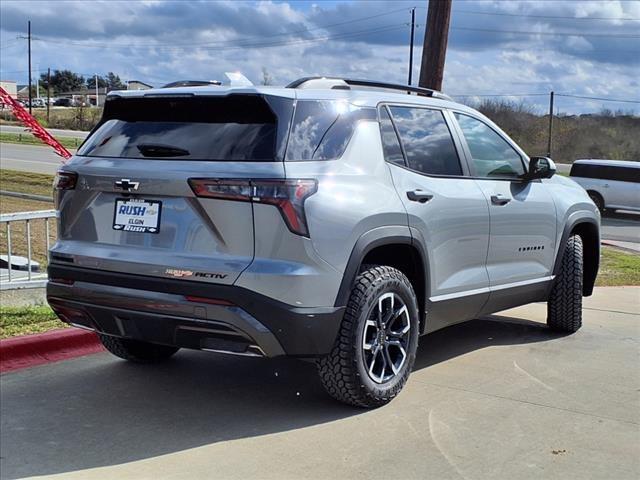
x=321 y=130
x=492 y=155
x=606 y=172
x=390 y=142
x=427 y=141
x=240 y=128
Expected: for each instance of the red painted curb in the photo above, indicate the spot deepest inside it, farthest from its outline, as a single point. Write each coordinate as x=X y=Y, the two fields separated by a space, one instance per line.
x=31 y=350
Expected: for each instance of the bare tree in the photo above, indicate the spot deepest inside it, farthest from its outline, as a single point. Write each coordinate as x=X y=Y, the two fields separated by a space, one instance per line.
x=267 y=79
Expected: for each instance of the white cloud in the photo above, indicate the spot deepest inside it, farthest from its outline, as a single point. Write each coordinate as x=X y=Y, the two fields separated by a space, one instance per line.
x=160 y=42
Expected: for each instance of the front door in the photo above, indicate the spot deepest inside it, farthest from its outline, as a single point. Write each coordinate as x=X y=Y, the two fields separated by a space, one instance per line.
x=522 y=216
x=446 y=210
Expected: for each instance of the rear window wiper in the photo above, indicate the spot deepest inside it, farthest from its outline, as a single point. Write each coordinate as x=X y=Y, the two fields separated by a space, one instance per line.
x=159 y=150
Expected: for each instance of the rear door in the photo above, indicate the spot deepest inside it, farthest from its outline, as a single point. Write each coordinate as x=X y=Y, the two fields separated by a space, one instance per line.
x=522 y=214
x=135 y=208
x=446 y=209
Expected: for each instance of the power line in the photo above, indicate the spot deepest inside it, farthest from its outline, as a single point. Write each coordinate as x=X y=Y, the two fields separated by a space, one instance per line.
x=227 y=42
x=504 y=14
x=502 y=95
x=552 y=34
x=597 y=98
x=490 y=95
x=243 y=45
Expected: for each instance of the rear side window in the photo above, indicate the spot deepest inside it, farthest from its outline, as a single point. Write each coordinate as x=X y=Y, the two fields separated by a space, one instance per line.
x=232 y=128
x=390 y=143
x=427 y=141
x=492 y=155
x=321 y=129
x=606 y=172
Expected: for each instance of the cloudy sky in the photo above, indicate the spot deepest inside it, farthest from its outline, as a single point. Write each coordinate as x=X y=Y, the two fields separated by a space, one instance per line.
x=584 y=48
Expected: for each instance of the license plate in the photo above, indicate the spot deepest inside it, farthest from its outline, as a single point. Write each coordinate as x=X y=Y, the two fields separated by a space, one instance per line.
x=135 y=215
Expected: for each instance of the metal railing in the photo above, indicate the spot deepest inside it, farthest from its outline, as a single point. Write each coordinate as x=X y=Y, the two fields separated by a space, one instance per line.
x=15 y=278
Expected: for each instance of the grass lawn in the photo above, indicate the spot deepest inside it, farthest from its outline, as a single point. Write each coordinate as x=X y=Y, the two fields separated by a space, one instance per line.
x=618 y=268
x=28 y=139
x=25 y=320
x=26 y=182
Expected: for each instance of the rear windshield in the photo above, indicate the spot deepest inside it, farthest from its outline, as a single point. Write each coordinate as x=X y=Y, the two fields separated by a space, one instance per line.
x=232 y=128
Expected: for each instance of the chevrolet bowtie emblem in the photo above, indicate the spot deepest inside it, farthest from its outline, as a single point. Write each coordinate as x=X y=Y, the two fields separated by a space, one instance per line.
x=126 y=184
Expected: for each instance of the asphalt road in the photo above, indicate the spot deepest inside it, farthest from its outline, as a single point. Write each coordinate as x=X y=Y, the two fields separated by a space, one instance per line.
x=53 y=131
x=29 y=158
x=500 y=398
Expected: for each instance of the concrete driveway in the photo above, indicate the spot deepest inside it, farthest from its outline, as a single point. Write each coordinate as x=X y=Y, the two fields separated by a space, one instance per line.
x=499 y=398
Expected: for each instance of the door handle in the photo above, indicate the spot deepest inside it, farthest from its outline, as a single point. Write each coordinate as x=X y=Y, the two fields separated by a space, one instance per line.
x=419 y=196
x=499 y=199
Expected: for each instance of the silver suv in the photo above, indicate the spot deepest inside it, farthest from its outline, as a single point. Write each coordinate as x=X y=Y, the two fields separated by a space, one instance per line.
x=331 y=219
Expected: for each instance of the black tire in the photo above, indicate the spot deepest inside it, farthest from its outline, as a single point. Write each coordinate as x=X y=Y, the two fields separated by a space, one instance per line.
x=597 y=199
x=344 y=372
x=135 y=350
x=564 y=307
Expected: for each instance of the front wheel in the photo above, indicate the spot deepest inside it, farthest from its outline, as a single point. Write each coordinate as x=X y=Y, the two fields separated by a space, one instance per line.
x=564 y=307
x=376 y=346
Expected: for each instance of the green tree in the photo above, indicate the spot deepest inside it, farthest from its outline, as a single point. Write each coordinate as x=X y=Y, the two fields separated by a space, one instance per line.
x=63 y=81
x=91 y=82
x=114 y=82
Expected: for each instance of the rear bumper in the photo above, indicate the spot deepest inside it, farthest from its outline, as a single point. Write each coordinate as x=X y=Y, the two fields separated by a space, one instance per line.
x=220 y=317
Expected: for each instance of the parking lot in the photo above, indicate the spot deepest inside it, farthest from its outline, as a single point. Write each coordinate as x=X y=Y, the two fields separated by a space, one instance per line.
x=500 y=397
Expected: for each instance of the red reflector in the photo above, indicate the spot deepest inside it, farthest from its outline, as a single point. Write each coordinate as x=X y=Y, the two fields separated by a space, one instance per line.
x=62 y=281
x=212 y=301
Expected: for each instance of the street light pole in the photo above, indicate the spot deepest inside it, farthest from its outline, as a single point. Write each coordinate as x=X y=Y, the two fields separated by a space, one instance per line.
x=97 y=98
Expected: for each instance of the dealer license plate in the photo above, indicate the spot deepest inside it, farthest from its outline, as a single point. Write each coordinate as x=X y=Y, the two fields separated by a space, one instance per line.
x=135 y=215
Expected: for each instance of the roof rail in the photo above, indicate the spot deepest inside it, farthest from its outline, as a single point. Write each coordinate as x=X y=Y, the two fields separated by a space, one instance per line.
x=345 y=83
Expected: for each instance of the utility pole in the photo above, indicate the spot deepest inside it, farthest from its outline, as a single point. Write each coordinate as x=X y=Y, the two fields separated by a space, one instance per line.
x=413 y=28
x=435 y=44
x=48 y=93
x=97 y=98
x=29 y=47
x=550 y=124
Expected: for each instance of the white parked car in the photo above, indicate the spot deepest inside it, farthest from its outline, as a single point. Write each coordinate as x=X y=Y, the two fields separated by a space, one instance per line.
x=611 y=184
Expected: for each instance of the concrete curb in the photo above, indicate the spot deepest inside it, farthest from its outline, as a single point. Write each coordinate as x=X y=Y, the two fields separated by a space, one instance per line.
x=31 y=350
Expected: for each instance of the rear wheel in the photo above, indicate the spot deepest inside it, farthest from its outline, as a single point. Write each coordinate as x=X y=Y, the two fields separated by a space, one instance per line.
x=135 y=350
x=376 y=346
x=564 y=307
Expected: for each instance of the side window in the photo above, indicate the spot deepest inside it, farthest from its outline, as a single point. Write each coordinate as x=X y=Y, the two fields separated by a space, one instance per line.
x=492 y=155
x=322 y=129
x=390 y=143
x=427 y=141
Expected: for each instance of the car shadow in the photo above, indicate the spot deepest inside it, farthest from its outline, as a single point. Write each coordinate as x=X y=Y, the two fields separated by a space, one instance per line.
x=97 y=411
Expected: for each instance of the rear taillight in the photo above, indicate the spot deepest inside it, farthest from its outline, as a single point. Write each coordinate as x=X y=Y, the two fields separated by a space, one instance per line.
x=288 y=195
x=65 y=180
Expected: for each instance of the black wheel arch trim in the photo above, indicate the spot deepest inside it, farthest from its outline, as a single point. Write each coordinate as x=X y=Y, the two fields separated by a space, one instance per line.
x=592 y=263
x=374 y=238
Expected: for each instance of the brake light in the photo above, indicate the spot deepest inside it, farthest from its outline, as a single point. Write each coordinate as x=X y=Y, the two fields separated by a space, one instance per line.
x=288 y=195
x=65 y=180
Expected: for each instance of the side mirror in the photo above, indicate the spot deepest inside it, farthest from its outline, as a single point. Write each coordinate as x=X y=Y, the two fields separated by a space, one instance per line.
x=540 y=167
